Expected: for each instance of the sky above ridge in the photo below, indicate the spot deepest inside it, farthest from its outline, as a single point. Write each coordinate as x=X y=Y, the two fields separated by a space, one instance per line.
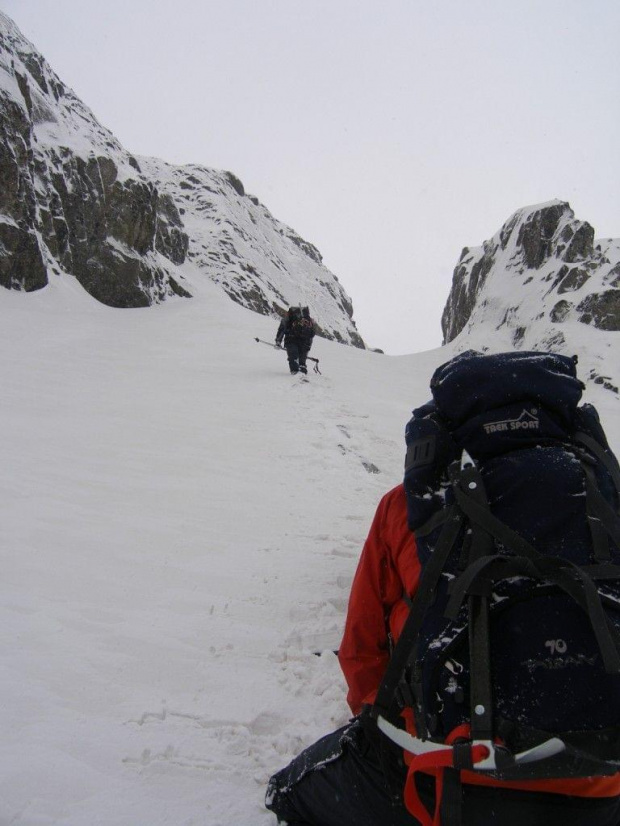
x=390 y=135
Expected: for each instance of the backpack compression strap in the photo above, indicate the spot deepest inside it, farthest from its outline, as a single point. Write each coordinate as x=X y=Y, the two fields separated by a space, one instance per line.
x=394 y=692
x=402 y=654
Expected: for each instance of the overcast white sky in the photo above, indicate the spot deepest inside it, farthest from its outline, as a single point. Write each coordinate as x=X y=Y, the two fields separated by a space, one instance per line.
x=389 y=133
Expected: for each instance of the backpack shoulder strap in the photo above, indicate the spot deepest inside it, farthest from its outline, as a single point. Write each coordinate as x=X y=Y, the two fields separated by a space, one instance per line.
x=605 y=457
x=405 y=646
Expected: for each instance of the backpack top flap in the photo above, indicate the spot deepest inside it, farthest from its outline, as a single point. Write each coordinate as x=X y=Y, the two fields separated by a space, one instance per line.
x=487 y=405
x=472 y=383
x=493 y=404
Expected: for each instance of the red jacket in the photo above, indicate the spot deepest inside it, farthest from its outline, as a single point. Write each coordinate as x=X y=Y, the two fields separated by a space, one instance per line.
x=388 y=567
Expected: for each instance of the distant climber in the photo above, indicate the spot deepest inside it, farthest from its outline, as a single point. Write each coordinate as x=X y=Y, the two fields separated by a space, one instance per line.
x=296 y=332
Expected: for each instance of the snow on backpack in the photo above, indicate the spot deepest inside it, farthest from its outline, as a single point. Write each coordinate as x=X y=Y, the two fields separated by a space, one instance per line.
x=509 y=662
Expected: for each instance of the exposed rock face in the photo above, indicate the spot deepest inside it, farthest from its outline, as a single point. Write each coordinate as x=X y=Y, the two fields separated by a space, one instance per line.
x=72 y=198
x=542 y=250
x=21 y=262
x=541 y=283
x=135 y=231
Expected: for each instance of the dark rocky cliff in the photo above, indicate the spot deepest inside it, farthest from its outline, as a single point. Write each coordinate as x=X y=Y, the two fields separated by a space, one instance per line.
x=541 y=246
x=543 y=282
x=71 y=198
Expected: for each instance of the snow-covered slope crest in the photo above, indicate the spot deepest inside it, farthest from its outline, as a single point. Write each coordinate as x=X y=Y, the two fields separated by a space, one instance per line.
x=541 y=283
x=135 y=232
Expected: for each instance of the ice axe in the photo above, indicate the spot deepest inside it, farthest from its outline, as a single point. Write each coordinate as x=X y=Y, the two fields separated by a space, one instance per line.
x=276 y=347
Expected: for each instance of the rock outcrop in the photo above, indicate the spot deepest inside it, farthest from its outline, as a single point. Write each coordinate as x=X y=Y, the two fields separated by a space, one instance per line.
x=135 y=231
x=544 y=250
x=542 y=282
x=257 y=260
x=72 y=199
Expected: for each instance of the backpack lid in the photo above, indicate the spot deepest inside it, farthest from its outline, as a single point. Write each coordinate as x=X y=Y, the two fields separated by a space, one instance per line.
x=472 y=383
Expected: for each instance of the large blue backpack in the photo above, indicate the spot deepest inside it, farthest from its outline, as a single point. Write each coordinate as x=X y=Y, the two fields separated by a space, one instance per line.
x=513 y=636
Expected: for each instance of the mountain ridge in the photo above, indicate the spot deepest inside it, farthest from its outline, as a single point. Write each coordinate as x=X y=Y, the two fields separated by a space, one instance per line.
x=542 y=282
x=75 y=201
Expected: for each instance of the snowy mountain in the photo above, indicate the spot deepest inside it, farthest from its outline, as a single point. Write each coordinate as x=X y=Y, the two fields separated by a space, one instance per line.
x=541 y=283
x=131 y=229
x=181 y=518
x=259 y=262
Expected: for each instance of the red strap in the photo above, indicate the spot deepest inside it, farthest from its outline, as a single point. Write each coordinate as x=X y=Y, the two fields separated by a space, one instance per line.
x=434 y=762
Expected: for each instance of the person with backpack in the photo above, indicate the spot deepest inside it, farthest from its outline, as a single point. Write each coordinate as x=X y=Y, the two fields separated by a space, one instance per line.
x=296 y=331
x=455 y=723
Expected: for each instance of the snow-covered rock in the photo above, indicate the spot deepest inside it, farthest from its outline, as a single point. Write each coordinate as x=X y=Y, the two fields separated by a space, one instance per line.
x=258 y=261
x=541 y=283
x=135 y=231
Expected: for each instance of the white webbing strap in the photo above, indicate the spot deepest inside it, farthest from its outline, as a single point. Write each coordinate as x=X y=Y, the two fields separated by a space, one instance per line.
x=415 y=745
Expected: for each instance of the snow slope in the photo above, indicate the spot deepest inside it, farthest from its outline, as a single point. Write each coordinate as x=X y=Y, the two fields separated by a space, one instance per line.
x=181 y=523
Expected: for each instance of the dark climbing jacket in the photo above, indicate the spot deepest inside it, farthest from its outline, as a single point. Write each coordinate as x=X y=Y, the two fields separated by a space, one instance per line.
x=296 y=327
